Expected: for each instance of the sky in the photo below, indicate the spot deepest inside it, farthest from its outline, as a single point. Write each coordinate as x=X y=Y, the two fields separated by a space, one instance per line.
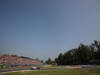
x=45 y=28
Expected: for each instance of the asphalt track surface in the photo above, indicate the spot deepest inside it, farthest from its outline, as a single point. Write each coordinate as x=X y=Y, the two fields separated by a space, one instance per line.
x=18 y=71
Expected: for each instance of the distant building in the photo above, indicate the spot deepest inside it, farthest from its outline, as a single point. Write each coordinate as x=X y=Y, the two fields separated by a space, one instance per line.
x=17 y=60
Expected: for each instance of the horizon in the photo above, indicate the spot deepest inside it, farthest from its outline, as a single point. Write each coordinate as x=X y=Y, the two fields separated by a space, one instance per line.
x=43 y=29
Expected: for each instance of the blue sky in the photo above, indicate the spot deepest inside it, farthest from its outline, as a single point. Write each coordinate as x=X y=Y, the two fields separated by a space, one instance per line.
x=44 y=28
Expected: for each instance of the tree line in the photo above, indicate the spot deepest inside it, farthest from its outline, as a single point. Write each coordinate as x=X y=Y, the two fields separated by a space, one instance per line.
x=83 y=54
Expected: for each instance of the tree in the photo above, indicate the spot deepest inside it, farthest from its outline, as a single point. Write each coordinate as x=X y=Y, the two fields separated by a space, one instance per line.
x=81 y=55
x=49 y=61
x=59 y=60
x=84 y=54
x=96 y=45
x=42 y=61
x=68 y=58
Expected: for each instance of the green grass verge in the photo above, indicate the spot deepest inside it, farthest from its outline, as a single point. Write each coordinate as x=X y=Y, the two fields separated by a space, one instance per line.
x=94 y=71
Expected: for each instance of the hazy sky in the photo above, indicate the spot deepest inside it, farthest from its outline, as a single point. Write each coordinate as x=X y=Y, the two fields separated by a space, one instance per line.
x=44 y=28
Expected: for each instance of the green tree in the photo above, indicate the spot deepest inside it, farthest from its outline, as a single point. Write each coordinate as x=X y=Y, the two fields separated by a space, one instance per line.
x=81 y=55
x=68 y=58
x=49 y=61
x=96 y=45
x=59 y=60
x=84 y=54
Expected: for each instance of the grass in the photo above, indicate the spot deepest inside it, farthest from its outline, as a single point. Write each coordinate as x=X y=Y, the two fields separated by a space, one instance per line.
x=86 y=71
x=2 y=66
